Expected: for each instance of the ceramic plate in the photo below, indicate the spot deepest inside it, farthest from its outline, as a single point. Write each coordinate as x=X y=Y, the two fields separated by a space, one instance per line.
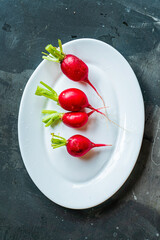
x=80 y=183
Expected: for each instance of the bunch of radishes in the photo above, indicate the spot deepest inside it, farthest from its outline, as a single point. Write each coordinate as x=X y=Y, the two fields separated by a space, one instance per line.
x=72 y=99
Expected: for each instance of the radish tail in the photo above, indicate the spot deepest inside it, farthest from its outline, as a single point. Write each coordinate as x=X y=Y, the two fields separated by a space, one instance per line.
x=89 y=114
x=96 y=110
x=101 y=145
x=87 y=80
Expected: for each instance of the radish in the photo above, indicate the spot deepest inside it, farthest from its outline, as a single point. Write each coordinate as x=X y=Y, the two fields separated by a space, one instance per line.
x=73 y=67
x=71 y=119
x=77 y=145
x=71 y=99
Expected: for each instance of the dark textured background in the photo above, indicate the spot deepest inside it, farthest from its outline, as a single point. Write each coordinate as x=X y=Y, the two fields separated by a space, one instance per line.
x=133 y=28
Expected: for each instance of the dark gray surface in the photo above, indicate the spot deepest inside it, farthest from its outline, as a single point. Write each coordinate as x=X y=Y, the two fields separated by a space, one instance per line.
x=133 y=28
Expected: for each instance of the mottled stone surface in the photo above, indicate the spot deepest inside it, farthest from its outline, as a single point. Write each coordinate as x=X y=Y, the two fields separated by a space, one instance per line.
x=133 y=28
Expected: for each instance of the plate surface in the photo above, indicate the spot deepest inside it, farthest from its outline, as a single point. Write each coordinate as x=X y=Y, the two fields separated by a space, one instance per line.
x=86 y=182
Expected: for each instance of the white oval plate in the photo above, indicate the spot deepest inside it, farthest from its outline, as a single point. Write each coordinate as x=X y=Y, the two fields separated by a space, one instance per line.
x=86 y=182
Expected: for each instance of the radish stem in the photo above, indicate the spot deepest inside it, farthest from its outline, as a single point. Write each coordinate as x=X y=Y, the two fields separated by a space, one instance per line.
x=60 y=46
x=48 y=111
x=50 y=93
x=51 y=118
x=55 y=54
x=57 y=141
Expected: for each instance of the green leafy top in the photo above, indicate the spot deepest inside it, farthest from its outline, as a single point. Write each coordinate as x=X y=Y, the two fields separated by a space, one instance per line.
x=50 y=93
x=52 y=117
x=57 y=141
x=56 y=55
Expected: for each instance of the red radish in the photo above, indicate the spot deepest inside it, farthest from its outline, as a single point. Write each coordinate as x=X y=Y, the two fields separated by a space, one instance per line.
x=73 y=67
x=71 y=119
x=77 y=145
x=75 y=119
x=71 y=99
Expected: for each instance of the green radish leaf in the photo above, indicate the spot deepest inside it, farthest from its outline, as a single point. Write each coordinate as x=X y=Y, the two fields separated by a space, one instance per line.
x=50 y=93
x=57 y=141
